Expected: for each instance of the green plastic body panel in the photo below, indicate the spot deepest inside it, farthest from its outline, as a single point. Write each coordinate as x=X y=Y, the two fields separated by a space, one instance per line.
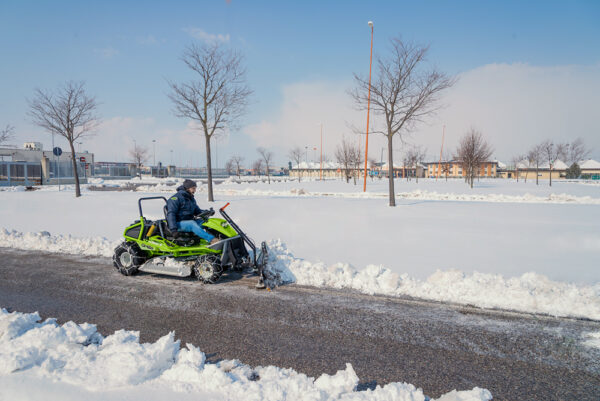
x=159 y=246
x=221 y=226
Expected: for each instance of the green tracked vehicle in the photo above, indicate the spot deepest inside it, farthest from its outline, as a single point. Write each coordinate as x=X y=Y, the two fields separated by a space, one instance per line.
x=149 y=246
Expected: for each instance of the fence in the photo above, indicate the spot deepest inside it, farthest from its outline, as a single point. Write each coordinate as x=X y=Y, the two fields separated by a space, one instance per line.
x=189 y=172
x=99 y=170
x=64 y=169
x=20 y=173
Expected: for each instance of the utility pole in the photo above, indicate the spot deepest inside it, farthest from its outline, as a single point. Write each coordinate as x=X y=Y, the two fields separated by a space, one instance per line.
x=370 y=23
x=441 y=150
x=154 y=152
x=321 y=170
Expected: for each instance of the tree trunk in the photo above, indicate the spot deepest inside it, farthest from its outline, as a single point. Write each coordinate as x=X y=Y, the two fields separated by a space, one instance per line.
x=526 y=173
x=537 y=176
x=517 y=175
x=416 y=176
x=391 y=171
x=551 y=175
x=75 y=172
x=209 y=169
x=268 y=176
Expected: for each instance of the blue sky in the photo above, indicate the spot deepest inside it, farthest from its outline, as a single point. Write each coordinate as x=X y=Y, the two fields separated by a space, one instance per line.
x=125 y=51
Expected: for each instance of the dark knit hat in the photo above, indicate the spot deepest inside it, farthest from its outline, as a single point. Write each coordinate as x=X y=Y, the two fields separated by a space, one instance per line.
x=187 y=184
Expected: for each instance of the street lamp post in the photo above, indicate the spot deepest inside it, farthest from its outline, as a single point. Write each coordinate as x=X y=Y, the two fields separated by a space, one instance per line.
x=368 y=109
x=154 y=152
x=321 y=167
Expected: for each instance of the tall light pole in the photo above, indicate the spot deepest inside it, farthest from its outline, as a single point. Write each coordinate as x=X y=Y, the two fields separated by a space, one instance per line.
x=368 y=109
x=154 y=152
x=321 y=168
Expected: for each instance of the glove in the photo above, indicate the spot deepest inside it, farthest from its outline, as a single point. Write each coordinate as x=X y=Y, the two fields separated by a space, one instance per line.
x=175 y=234
x=211 y=211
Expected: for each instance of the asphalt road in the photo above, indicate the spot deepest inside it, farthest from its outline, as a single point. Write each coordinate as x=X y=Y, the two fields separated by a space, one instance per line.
x=434 y=346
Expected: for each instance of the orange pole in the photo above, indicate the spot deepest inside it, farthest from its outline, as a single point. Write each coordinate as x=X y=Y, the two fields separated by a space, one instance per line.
x=368 y=110
x=321 y=172
x=441 y=149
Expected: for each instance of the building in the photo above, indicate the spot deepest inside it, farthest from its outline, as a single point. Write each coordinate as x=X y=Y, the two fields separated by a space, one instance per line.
x=402 y=171
x=453 y=169
x=34 y=165
x=590 y=169
x=525 y=171
x=316 y=170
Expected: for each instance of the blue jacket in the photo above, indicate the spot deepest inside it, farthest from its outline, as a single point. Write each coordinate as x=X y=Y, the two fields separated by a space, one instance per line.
x=181 y=206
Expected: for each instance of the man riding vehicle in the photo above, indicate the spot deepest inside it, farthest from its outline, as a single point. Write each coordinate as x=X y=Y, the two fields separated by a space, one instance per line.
x=181 y=210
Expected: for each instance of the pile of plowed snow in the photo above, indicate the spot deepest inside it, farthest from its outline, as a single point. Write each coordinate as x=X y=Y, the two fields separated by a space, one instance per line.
x=76 y=354
x=531 y=292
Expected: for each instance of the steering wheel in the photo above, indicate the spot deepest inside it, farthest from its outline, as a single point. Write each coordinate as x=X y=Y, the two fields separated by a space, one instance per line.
x=205 y=214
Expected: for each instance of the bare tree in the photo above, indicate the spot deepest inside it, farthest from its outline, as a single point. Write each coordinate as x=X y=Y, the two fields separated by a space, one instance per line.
x=267 y=156
x=406 y=162
x=357 y=161
x=68 y=112
x=216 y=98
x=551 y=152
x=296 y=156
x=403 y=91
x=413 y=157
x=257 y=166
x=139 y=155
x=576 y=151
x=236 y=162
x=473 y=150
x=516 y=160
x=346 y=155
x=6 y=133
x=229 y=167
x=534 y=158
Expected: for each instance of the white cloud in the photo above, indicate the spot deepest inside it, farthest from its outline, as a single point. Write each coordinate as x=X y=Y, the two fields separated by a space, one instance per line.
x=518 y=105
x=304 y=107
x=200 y=34
x=106 y=52
x=514 y=105
x=115 y=137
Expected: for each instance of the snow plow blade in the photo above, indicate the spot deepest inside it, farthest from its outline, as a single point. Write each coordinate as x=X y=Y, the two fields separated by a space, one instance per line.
x=259 y=256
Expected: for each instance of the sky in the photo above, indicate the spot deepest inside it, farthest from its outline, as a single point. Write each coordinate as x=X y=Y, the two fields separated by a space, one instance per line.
x=526 y=71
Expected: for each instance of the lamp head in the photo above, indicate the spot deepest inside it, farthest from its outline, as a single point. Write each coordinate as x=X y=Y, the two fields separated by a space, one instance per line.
x=370 y=24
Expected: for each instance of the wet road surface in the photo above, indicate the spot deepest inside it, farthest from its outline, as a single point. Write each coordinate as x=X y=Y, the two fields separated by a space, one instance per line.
x=434 y=346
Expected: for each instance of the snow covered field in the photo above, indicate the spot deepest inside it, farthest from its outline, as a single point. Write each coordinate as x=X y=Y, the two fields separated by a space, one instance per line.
x=535 y=253
x=501 y=245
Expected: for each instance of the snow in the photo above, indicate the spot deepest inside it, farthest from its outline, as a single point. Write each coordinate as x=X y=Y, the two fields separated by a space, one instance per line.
x=517 y=246
x=42 y=359
x=504 y=244
x=589 y=164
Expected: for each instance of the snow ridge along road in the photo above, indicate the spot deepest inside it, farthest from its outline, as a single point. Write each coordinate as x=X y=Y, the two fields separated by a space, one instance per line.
x=529 y=293
x=436 y=347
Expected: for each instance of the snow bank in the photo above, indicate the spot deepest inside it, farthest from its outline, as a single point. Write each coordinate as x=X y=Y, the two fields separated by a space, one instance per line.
x=79 y=355
x=530 y=292
x=413 y=195
x=44 y=241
